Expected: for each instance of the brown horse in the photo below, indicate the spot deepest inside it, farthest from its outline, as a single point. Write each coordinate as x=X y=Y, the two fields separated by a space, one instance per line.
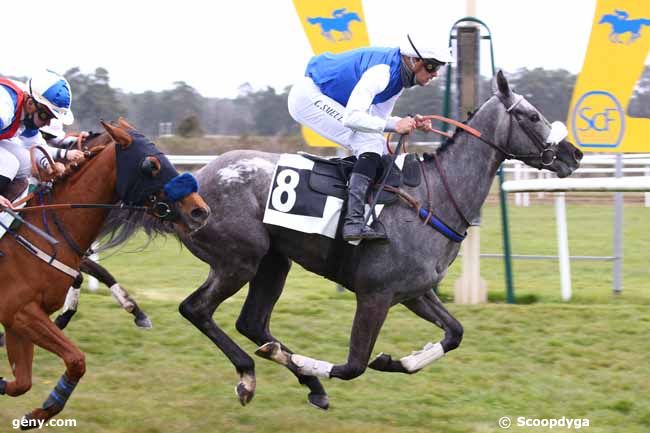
x=126 y=168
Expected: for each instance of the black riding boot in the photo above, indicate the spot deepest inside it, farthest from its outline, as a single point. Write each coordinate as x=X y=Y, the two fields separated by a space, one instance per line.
x=353 y=227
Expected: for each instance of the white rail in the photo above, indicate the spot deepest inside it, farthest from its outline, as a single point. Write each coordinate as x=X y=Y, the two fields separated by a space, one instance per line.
x=558 y=187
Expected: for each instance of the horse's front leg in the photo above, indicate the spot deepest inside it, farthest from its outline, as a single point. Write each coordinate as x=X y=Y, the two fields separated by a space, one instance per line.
x=369 y=317
x=122 y=297
x=31 y=323
x=428 y=307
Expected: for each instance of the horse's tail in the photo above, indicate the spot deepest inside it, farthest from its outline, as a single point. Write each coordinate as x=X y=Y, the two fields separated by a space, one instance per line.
x=314 y=20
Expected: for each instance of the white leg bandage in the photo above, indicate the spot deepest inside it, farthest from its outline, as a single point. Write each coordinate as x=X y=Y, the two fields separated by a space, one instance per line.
x=417 y=360
x=71 y=299
x=312 y=367
x=121 y=297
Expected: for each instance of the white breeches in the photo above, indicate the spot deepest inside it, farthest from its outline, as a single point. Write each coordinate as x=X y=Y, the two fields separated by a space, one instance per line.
x=308 y=106
x=14 y=159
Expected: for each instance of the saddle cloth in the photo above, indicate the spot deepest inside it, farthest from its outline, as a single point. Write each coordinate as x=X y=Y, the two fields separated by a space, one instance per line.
x=307 y=192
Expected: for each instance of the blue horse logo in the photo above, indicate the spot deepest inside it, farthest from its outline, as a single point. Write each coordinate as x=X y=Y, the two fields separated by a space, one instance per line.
x=621 y=25
x=339 y=22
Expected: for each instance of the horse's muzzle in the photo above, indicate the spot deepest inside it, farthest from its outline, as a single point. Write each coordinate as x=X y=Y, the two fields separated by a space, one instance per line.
x=194 y=212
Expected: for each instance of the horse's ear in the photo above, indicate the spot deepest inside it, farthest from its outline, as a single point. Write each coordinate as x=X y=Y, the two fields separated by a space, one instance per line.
x=502 y=84
x=118 y=134
x=124 y=124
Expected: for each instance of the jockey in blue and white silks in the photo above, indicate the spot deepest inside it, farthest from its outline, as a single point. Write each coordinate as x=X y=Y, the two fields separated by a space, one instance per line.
x=348 y=98
x=24 y=108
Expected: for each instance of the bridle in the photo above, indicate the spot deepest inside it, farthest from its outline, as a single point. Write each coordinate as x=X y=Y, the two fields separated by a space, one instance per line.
x=547 y=151
x=547 y=154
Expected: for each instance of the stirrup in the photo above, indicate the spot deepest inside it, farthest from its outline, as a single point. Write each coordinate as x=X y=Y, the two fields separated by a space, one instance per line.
x=365 y=233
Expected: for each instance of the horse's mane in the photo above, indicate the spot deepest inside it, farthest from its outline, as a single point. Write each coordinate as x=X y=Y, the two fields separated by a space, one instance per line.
x=121 y=224
x=451 y=140
x=93 y=140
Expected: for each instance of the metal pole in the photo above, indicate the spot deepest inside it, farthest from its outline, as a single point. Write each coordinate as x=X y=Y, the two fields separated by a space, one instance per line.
x=563 y=246
x=505 y=230
x=617 y=271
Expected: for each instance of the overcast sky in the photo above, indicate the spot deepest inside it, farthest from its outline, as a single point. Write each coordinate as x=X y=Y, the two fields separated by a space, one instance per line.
x=215 y=46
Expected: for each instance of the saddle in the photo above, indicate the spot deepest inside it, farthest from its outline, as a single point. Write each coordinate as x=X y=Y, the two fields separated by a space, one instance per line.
x=330 y=176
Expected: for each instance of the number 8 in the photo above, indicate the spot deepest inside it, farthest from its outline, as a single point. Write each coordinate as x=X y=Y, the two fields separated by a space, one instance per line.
x=284 y=186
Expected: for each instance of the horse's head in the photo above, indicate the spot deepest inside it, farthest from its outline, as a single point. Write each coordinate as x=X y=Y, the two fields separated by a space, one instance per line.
x=146 y=177
x=525 y=134
x=352 y=16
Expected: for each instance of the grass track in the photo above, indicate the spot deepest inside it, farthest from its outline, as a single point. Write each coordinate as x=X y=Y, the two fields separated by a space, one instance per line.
x=585 y=359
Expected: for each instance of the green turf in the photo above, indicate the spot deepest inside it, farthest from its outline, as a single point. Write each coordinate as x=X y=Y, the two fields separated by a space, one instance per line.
x=583 y=359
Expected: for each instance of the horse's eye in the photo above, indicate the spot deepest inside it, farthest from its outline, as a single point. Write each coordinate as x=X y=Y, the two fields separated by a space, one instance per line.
x=150 y=166
x=534 y=117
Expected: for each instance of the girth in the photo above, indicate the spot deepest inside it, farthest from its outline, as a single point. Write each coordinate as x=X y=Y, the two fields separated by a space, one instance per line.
x=330 y=176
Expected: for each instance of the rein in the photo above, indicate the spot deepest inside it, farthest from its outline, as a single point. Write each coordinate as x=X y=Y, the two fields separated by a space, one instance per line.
x=547 y=155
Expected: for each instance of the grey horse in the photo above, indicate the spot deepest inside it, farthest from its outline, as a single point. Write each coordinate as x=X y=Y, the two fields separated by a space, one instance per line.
x=240 y=248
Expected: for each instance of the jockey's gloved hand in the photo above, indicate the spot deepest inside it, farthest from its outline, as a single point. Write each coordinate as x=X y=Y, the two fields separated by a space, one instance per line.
x=56 y=170
x=5 y=203
x=74 y=155
x=405 y=125
x=422 y=124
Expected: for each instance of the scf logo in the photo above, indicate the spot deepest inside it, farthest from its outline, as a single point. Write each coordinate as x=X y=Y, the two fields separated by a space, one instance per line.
x=598 y=120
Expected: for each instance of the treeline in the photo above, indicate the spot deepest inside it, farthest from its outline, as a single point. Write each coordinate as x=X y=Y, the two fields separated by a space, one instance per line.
x=264 y=112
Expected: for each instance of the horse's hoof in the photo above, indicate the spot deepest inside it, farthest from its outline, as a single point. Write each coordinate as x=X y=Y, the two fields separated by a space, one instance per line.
x=143 y=322
x=319 y=401
x=245 y=395
x=2 y=339
x=381 y=362
x=245 y=389
x=273 y=351
x=28 y=422
x=34 y=419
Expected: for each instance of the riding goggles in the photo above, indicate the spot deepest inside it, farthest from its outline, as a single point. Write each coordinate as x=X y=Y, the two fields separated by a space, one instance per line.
x=431 y=65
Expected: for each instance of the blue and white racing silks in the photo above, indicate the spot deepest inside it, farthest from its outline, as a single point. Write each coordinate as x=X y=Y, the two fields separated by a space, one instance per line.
x=365 y=81
x=8 y=108
x=11 y=125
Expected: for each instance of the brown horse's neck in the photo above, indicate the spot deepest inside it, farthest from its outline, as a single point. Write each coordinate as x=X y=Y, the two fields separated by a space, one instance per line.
x=93 y=183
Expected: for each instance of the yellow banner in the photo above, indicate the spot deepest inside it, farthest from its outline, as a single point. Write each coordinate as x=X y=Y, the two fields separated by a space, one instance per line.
x=615 y=58
x=331 y=26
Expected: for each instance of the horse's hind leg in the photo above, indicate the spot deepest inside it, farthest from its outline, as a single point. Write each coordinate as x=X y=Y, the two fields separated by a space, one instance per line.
x=32 y=323
x=199 y=307
x=20 y=353
x=265 y=289
x=428 y=307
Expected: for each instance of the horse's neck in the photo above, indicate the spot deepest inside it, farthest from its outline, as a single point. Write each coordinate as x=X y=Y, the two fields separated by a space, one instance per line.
x=94 y=183
x=470 y=166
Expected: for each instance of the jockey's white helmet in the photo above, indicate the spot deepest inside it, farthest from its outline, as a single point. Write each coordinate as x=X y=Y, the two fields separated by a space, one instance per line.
x=425 y=47
x=53 y=91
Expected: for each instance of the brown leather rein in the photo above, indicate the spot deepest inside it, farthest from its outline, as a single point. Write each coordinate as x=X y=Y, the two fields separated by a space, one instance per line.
x=412 y=201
